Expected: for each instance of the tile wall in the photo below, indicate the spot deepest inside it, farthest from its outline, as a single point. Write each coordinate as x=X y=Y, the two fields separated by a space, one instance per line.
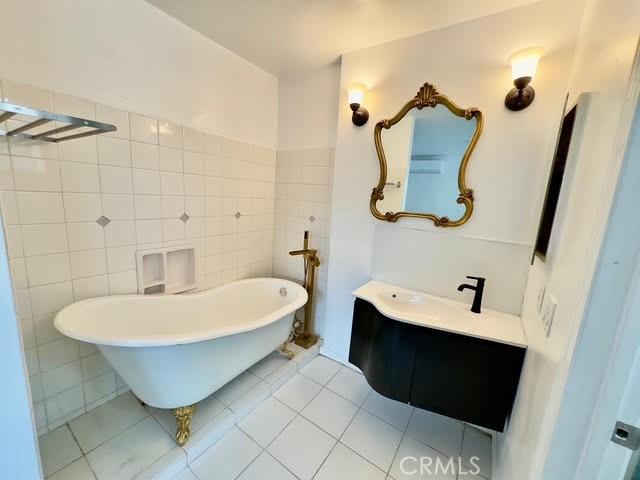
x=304 y=181
x=142 y=178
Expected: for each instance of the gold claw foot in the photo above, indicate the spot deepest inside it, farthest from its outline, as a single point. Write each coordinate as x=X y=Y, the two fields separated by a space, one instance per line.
x=183 y=420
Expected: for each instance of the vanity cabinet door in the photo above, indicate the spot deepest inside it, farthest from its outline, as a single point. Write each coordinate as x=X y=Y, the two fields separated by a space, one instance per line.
x=467 y=378
x=384 y=350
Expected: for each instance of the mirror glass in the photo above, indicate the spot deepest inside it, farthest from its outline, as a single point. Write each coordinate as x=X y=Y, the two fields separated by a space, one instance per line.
x=423 y=153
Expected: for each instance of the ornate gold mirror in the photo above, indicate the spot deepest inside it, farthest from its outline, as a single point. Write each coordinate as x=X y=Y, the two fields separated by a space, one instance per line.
x=423 y=160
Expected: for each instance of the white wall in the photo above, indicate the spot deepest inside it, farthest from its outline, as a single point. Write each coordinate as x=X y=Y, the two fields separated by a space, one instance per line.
x=560 y=385
x=308 y=109
x=18 y=447
x=130 y=55
x=468 y=62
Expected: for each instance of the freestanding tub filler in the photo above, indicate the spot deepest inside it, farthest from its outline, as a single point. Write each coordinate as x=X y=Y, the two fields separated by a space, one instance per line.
x=175 y=350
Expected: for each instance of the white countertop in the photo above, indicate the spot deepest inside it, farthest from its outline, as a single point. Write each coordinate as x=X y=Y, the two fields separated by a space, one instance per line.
x=419 y=308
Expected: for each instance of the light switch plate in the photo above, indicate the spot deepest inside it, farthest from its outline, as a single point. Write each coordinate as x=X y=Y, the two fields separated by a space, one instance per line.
x=541 y=293
x=549 y=314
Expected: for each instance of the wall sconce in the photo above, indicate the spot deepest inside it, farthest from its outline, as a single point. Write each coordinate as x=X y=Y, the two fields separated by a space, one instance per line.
x=356 y=96
x=523 y=68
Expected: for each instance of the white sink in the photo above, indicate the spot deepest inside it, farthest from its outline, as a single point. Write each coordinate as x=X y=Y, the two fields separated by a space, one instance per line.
x=420 y=308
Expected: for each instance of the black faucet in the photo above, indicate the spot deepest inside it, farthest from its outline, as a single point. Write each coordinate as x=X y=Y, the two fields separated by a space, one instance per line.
x=478 y=289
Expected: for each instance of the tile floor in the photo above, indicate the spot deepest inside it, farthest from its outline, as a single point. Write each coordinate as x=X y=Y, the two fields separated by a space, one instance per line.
x=318 y=421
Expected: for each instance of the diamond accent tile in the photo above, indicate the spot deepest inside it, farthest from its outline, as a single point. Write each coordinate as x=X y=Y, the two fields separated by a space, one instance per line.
x=103 y=221
x=238 y=215
x=184 y=217
x=312 y=219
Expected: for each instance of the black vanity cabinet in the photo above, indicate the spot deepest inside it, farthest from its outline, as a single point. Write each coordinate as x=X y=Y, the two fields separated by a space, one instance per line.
x=453 y=374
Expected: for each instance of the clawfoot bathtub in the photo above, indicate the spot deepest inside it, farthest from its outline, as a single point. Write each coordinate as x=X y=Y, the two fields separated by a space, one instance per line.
x=175 y=350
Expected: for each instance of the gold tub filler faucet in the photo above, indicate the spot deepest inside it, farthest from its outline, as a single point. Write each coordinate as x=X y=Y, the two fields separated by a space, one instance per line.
x=305 y=338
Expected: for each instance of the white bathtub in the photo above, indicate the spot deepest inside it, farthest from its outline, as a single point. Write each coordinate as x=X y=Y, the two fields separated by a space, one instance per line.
x=175 y=350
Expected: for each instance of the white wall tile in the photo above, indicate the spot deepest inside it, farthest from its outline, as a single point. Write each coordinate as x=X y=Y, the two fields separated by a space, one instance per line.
x=9 y=207
x=194 y=206
x=64 y=404
x=193 y=162
x=212 y=165
x=90 y=287
x=57 y=353
x=143 y=129
x=146 y=181
x=148 y=206
x=116 y=117
x=6 y=173
x=172 y=206
x=43 y=239
x=94 y=365
x=119 y=233
x=44 y=329
x=50 y=298
x=79 y=177
x=88 y=263
x=36 y=174
x=85 y=236
x=40 y=207
x=18 y=273
x=99 y=387
x=115 y=179
x=122 y=283
x=114 y=151
x=144 y=155
x=148 y=231
x=171 y=159
x=82 y=207
x=193 y=184
x=45 y=269
x=121 y=258
x=73 y=106
x=172 y=229
x=61 y=378
x=192 y=140
x=171 y=183
x=117 y=206
x=170 y=134
x=83 y=150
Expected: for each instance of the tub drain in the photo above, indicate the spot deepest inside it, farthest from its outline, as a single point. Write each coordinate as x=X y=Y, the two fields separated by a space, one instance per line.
x=283 y=292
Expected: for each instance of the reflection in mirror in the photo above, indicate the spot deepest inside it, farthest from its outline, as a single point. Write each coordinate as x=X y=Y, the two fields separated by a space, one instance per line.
x=423 y=152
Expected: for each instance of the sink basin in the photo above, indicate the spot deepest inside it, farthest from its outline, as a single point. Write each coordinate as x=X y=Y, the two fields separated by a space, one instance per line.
x=420 y=308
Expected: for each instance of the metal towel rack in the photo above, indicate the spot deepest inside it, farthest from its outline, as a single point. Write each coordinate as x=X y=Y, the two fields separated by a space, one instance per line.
x=37 y=118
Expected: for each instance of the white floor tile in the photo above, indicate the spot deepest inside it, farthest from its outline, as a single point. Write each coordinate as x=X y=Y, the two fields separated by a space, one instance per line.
x=477 y=444
x=128 y=454
x=351 y=385
x=210 y=433
x=78 y=470
x=185 y=474
x=237 y=387
x=416 y=460
x=391 y=411
x=442 y=433
x=302 y=447
x=265 y=467
x=267 y=421
x=321 y=369
x=372 y=438
x=248 y=402
x=105 y=422
x=344 y=464
x=330 y=412
x=269 y=364
x=297 y=392
x=227 y=458
x=58 y=449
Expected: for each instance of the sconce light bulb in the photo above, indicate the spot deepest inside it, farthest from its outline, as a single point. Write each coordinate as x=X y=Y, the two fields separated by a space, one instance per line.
x=356 y=93
x=525 y=63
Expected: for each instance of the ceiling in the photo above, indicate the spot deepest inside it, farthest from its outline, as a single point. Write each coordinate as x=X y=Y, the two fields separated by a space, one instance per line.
x=289 y=37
